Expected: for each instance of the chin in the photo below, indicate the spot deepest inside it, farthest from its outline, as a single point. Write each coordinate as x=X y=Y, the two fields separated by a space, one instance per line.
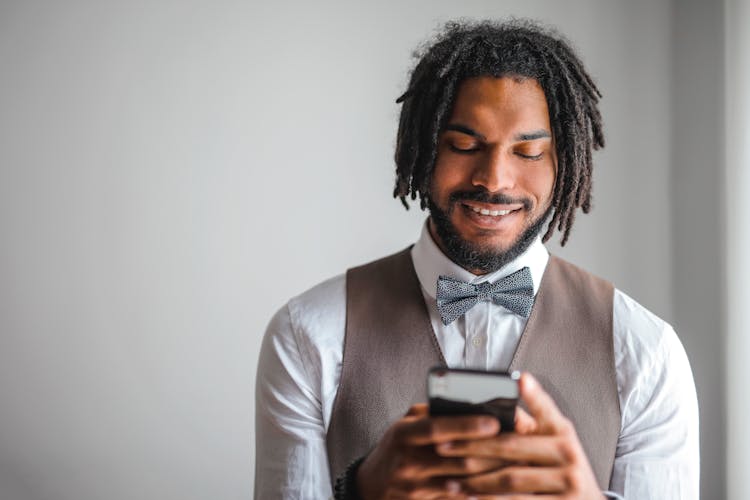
x=479 y=249
x=489 y=243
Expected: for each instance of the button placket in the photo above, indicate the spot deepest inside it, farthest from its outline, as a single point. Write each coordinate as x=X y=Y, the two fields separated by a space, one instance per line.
x=476 y=326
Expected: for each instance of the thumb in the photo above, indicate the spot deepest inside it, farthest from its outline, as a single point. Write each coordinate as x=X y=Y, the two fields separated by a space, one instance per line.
x=418 y=410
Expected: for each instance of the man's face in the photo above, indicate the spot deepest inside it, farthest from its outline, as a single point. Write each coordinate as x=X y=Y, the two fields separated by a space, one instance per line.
x=495 y=170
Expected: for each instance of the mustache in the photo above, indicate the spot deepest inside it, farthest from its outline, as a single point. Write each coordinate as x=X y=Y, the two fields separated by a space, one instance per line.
x=484 y=196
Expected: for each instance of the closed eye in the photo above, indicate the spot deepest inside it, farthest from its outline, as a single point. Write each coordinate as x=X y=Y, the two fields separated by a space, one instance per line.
x=530 y=157
x=463 y=151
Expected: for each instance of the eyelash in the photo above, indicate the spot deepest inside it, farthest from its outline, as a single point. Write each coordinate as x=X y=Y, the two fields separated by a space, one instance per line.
x=473 y=150
x=532 y=158
x=463 y=151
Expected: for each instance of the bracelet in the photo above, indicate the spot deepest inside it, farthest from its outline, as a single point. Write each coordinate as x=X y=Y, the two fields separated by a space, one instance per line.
x=346 y=483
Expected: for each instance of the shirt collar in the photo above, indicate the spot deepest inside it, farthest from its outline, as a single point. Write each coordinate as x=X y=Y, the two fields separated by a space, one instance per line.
x=430 y=262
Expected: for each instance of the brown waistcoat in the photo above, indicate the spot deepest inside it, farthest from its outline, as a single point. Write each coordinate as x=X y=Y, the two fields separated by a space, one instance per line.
x=390 y=345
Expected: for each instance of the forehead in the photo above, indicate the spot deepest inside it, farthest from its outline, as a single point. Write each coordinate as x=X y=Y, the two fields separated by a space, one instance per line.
x=510 y=100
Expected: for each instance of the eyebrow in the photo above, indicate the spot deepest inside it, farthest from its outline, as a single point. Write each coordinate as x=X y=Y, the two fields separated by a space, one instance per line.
x=524 y=136
x=465 y=130
x=532 y=136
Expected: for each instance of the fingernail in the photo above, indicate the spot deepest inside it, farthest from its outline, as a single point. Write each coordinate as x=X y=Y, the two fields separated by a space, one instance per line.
x=453 y=486
x=488 y=424
x=445 y=446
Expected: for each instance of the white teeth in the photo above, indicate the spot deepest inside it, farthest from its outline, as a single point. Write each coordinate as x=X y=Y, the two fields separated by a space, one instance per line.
x=493 y=213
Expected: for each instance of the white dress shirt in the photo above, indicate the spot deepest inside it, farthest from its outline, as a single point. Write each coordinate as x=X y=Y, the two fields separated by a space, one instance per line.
x=300 y=367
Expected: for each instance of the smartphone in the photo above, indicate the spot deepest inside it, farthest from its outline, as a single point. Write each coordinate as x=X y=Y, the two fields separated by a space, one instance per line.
x=453 y=391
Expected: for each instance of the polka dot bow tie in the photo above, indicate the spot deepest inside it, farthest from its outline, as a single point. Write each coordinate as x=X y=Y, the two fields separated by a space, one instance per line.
x=514 y=292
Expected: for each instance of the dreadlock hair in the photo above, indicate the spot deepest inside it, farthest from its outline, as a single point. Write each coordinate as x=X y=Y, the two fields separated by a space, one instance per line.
x=517 y=48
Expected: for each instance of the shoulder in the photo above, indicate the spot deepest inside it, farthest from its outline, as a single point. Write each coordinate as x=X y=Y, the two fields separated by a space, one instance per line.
x=388 y=267
x=319 y=302
x=654 y=375
x=658 y=402
x=303 y=343
x=573 y=275
x=647 y=348
x=312 y=319
x=315 y=305
x=319 y=313
x=641 y=337
x=633 y=324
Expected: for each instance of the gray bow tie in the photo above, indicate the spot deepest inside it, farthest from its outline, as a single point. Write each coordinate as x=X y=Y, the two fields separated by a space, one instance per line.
x=514 y=292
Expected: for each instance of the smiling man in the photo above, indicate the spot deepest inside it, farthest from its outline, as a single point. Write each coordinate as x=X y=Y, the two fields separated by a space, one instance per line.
x=495 y=139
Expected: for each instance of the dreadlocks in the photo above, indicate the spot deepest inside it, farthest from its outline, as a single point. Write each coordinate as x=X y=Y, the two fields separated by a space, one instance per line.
x=515 y=48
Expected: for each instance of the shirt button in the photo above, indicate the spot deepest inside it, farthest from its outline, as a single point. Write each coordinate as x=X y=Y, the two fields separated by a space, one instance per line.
x=477 y=341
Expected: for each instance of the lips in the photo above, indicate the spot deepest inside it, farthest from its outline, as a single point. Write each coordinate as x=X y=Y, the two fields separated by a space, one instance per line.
x=490 y=217
x=492 y=210
x=493 y=213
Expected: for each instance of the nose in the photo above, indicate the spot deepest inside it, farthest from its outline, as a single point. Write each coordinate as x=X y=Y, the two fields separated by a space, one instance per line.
x=496 y=172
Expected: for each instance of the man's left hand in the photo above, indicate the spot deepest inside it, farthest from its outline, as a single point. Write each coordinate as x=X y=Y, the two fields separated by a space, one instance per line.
x=544 y=455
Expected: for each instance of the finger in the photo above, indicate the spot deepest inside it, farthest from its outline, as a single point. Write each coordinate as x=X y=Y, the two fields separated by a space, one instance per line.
x=433 y=488
x=516 y=480
x=418 y=410
x=524 y=423
x=423 y=466
x=541 y=405
x=424 y=492
x=517 y=496
x=422 y=431
x=466 y=466
x=534 y=449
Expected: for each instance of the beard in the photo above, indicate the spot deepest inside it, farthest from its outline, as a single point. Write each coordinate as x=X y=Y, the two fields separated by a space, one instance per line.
x=475 y=256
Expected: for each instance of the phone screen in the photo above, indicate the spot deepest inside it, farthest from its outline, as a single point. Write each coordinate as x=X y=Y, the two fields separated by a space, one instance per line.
x=454 y=391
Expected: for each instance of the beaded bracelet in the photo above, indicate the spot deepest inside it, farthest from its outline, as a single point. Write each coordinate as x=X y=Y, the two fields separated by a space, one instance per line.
x=346 y=483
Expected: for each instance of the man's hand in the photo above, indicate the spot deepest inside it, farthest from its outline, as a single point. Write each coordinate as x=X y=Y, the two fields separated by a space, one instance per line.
x=544 y=453
x=404 y=463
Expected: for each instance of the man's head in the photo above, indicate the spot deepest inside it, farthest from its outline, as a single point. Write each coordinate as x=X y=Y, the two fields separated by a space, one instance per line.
x=496 y=136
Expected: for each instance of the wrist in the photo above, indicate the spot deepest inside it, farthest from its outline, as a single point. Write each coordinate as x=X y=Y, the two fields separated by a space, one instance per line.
x=364 y=488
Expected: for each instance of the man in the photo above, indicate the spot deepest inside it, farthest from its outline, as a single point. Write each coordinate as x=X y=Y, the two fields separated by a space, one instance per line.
x=495 y=138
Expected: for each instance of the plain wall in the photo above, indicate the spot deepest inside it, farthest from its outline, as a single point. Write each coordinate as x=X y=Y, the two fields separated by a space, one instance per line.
x=172 y=172
x=737 y=236
x=698 y=228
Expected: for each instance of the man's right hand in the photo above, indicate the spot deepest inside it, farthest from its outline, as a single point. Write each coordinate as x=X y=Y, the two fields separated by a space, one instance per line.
x=404 y=463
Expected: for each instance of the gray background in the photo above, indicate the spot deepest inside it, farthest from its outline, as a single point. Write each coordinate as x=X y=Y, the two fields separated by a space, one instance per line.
x=172 y=172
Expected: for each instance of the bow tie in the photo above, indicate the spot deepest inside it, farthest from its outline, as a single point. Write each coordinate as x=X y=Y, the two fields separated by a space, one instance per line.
x=514 y=292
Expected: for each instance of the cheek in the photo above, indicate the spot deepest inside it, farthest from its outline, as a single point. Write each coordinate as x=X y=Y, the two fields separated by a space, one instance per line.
x=445 y=179
x=543 y=183
x=552 y=174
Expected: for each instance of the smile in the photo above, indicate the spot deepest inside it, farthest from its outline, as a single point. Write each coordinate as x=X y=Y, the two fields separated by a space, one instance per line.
x=491 y=213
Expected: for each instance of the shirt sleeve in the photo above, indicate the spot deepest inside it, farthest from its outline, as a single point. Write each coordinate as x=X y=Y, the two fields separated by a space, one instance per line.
x=291 y=460
x=612 y=495
x=657 y=452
